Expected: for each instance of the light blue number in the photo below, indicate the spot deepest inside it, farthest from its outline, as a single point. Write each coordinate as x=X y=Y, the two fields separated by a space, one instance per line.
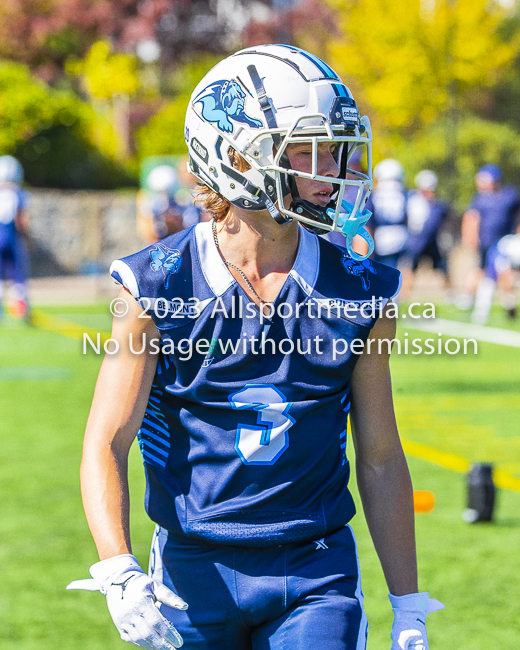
x=265 y=442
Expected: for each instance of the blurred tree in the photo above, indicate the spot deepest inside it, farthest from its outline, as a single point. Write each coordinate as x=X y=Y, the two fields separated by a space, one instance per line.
x=51 y=132
x=61 y=157
x=103 y=73
x=163 y=134
x=113 y=77
x=96 y=40
x=44 y=33
x=503 y=102
x=477 y=142
x=27 y=106
x=411 y=61
x=310 y=24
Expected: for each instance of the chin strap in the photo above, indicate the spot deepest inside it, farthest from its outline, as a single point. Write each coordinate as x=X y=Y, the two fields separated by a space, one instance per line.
x=314 y=212
x=352 y=227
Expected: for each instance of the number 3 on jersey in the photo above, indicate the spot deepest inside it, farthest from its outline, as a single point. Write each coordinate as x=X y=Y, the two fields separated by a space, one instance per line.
x=265 y=442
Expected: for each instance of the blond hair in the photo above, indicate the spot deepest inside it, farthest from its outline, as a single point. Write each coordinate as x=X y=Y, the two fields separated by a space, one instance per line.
x=212 y=201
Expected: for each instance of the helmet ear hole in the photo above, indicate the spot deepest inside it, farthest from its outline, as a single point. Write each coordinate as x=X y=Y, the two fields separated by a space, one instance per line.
x=237 y=161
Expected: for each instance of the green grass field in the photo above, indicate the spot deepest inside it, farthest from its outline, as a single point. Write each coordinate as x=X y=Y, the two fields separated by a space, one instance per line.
x=468 y=406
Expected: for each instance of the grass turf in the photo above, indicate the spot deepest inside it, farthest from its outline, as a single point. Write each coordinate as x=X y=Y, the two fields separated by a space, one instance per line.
x=467 y=405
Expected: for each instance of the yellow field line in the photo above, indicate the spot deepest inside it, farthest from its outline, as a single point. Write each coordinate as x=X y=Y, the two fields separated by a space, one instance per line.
x=65 y=327
x=457 y=464
x=506 y=481
x=442 y=458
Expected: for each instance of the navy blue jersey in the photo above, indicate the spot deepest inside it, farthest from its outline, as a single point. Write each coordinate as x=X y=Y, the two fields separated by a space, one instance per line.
x=244 y=439
x=498 y=211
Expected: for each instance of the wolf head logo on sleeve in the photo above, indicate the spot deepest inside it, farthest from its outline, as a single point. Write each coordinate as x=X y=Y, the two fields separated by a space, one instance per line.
x=360 y=269
x=224 y=101
x=167 y=260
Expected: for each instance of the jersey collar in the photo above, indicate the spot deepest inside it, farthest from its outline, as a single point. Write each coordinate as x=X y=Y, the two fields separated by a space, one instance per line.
x=219 y=279
x=307 y=264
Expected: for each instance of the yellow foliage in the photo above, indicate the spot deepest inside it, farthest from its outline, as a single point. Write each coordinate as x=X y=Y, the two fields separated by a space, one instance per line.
x=104 y=74
x=407 y=59
x=101 y=130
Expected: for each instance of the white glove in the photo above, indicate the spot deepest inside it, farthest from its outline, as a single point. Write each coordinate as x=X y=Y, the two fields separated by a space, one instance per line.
x=132 y=599
x=409 y=628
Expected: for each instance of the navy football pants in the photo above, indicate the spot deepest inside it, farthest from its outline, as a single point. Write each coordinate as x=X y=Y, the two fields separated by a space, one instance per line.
x=290 y=597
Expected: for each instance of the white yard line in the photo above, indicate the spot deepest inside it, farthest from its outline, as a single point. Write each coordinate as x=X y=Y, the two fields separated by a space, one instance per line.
x=467 y=331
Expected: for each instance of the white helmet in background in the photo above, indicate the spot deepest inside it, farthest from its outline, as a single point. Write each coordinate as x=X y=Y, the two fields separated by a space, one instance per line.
x=11 y=171
x=389 y=170
x=426 y=180
x=162 y=178
x=260 y=100
x=509 y=247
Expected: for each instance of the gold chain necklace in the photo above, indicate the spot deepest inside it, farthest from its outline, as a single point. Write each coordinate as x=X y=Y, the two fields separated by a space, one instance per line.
x=229 y=265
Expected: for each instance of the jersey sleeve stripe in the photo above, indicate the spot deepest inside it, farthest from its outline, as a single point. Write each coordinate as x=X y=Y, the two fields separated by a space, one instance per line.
x=123 y=274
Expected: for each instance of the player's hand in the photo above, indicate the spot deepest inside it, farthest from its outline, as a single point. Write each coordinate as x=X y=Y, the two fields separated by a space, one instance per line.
x=132 y=599
x=409 y=628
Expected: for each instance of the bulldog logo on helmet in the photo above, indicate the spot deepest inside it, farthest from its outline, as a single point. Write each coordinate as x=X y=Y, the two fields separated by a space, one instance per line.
x=167 y=260
x=224 y=101
x=360 y=269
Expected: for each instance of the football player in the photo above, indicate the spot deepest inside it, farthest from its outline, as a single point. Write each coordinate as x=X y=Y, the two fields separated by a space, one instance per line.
x=13 y=252
x=491 y=215
x=426 y=215
x=242 y=416
x=388 y=207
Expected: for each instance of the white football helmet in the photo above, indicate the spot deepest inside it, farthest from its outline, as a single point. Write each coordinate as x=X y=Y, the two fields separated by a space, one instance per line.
x=11 y=171
x=259 y=101
x=162 y=178
x=389 y=170
x=509 y=247
x=426 y=180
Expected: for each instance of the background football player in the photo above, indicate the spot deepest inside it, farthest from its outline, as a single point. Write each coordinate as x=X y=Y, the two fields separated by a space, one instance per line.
x=491 y=215
x=13 y=251
x=426 y=215
x=388 y=207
